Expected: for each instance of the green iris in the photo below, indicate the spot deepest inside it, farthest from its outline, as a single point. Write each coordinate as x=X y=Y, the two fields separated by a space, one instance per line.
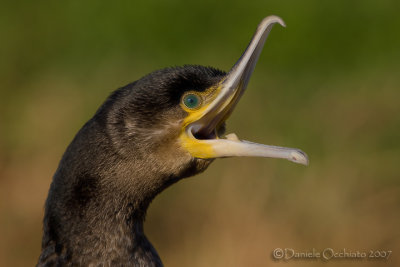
x=191 y=101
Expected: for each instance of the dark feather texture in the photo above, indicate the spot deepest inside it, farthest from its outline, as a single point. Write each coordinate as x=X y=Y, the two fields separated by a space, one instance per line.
x=116 y=164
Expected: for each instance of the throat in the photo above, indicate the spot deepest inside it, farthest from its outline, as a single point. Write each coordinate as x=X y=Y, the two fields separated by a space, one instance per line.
x=98 y=200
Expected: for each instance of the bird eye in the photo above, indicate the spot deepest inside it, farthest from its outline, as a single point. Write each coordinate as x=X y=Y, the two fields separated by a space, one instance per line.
x=191 y=101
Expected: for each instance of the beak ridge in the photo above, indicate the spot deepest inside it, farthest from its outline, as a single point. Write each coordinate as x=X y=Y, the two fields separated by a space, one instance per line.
x=244 y=67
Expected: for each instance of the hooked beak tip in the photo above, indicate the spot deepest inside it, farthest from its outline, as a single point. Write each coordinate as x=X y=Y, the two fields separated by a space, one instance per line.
x=271 y=20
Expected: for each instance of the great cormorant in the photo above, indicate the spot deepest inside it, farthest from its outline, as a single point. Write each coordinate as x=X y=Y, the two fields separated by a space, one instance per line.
x=145 y=137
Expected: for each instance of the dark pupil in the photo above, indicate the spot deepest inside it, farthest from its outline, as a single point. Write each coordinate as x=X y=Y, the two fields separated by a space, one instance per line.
x=191 y=101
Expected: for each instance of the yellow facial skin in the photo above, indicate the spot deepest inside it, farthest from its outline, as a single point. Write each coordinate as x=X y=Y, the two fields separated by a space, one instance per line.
x=198 y=148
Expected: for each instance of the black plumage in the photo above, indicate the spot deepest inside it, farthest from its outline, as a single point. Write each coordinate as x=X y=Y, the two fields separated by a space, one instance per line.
x=116 y=164
x=145 y=137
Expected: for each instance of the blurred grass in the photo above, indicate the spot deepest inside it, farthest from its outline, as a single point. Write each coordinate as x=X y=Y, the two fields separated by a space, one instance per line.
x=328 y=83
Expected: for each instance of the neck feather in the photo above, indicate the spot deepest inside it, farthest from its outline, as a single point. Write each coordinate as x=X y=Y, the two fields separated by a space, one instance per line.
x=100 y=226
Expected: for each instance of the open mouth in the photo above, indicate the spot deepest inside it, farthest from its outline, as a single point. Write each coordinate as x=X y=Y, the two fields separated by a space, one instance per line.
x=202 y=135
x=207 y=136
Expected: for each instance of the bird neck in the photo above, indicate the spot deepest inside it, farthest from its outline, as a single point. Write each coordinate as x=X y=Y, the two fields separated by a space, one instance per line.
x=95 y=215
x=93 y=225
x=97 y=204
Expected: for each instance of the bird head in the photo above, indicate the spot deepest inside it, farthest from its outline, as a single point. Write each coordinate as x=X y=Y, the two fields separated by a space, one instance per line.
x=178 y=114
x=147 y=135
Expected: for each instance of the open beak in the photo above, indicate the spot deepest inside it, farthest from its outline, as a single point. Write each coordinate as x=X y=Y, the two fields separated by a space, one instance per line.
x=227 y=93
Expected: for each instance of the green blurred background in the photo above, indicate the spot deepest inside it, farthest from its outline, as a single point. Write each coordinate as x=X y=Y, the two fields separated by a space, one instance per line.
x=329 y=84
